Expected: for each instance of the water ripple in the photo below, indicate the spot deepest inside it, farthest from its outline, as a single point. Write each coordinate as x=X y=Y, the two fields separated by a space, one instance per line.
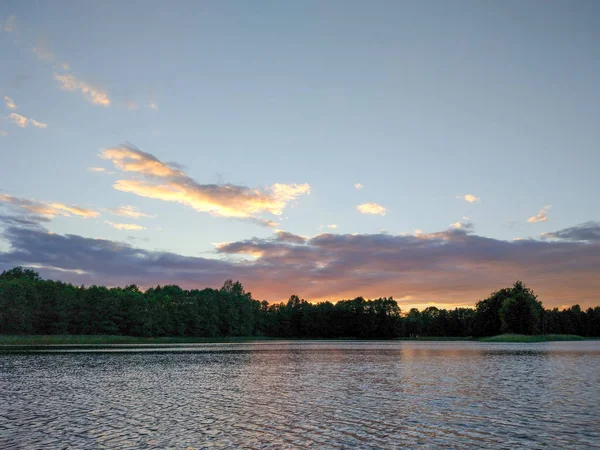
x=322 y=395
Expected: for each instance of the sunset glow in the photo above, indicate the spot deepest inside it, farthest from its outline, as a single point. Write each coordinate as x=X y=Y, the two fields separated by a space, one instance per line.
x=327 y=157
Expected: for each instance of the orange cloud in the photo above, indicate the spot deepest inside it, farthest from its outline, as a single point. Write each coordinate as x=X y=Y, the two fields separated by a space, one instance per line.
x=18 y=120
x=372 y=208
x=48 y=209
x=358 y=186
x=224 y=201
x=129 y=211
x=37 y=124
x=130 y=159
x=168 y=183
x=125 y=226
x=22 y=121
x=74 y=210
x=462 y=224
x=91 y=94
x=9 y=103
x=542 y=216
x=469 y=198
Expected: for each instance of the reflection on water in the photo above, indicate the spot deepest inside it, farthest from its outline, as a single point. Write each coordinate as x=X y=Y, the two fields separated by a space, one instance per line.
x=303 y=394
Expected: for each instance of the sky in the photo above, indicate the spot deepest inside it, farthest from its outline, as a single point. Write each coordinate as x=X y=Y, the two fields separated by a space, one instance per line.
x=430 y=151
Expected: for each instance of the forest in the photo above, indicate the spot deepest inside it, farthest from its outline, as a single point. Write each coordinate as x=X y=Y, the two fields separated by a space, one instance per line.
x=32 y=305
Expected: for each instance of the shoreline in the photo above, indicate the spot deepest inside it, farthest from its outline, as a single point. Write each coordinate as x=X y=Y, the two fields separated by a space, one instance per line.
x=8 y=341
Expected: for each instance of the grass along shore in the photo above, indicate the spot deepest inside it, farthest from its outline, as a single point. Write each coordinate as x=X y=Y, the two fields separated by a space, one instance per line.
x=57 y=339
x=532 y=338
x=40 y=340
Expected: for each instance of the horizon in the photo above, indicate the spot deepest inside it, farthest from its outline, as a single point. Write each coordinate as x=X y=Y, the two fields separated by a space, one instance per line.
x=404 y=310
x=432 y=153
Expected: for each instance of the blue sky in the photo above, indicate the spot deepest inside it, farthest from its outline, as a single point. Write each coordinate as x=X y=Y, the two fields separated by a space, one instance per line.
x=419 y=102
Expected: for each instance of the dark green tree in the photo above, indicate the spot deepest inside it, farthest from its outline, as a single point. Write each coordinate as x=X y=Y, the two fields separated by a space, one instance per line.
x=29 y=304
x=521 y=311
x=487 y=313
x=19 y=273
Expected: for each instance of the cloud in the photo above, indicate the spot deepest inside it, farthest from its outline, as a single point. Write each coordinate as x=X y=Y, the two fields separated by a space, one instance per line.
x=110 y=261
x=9 y=24
x=445 y=266
x=259 y=247
x=125 y=226
x=131 y=159
x=57 y=269
x=168 y=182
x=358 y=186
x=129 y=211
x=542 y=216
x=32 y=206
x=469 y=198
x=450 y=267
x=65 y=210
x=240 y=249
x=22 y=121
x=586 y=232
x=462 y=225
x=9 y=103
x=332 y=226
x=284 y=236
x=21 y=219
x=449 y=234
x=47 y=209
x=262 y=222
x=42 y=51
x=91 y=94
x=37 y=124
x=371 y=208
x=153 y=105
x=96 y=169
x=18 y=120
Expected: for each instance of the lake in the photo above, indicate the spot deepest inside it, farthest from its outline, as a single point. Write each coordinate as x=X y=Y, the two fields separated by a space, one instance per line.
x=304 y=394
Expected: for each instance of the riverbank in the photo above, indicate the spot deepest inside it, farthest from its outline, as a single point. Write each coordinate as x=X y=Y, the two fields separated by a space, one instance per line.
x=114 y=340
x=22 y=340
x=535 y=338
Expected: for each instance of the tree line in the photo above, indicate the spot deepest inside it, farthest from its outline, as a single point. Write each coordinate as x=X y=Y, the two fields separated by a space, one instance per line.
x=32 y=305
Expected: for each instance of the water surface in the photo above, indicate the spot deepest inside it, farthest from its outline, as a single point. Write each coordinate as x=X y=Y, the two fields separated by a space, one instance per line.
x=312 y=394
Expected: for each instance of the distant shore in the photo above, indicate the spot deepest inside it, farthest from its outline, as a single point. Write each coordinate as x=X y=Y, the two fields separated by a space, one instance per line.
x=41 y=340
x=533 y=338
x=116 y=340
